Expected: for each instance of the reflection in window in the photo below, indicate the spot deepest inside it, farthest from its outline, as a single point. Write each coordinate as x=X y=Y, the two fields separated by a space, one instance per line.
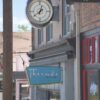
x=92 y=85
x=96 y=50
x=52 y=90
x=24 y=91
x=49 y=32
x=40 y=36
x=90 y=50
x=66 y=20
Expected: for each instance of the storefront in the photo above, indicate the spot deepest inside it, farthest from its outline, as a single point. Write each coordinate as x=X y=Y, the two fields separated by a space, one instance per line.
x=47 y=80
x=22 y=89
x=58 y=54
x=48 y=92
x=90 y=65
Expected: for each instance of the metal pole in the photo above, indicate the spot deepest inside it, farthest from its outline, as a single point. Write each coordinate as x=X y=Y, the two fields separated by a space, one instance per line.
x=7 y=50
x=77 y=67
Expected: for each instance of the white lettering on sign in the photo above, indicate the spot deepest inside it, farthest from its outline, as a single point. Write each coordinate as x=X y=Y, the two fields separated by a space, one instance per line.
x=34 y=72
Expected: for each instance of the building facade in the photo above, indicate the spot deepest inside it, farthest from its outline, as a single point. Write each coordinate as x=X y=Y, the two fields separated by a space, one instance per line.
x=90 y=50
x=20 y=62
x=54 y=45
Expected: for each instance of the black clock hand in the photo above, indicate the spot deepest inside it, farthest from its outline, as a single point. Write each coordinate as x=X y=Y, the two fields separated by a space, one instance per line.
x=40 y=10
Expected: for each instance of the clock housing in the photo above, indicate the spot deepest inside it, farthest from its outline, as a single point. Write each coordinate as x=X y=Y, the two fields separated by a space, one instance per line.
x=39 y=12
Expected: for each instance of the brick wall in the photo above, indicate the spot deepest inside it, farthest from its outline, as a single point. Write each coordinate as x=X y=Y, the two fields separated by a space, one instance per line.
x=89 y=16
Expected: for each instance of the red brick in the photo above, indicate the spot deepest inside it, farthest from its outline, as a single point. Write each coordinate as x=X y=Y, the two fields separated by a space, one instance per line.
x=89 y=16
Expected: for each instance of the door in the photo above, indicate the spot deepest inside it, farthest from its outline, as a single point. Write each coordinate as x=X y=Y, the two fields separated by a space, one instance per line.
x=92 y=84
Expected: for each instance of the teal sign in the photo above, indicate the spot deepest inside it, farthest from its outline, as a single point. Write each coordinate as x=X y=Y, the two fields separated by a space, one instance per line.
x=44 y=75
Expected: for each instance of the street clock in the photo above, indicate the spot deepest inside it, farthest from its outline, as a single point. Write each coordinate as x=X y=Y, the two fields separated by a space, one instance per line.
x=39 y=12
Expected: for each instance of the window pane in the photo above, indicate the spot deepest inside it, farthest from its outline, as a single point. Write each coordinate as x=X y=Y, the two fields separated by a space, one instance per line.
x=66 y=19
x=86 y=51
x=68 y=22
x=92 y=85
x=96 y=49
x=90 y=50
x=49 y=32
x=40 y=36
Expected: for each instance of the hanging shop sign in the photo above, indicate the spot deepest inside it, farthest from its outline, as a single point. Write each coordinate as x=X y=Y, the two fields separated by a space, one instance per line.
x=38 y=75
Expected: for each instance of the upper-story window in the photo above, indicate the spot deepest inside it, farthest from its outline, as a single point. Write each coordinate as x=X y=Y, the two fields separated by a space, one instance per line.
x=90 y=50
x=49 y=32
x=68 y=8
x=66 y=19
x=40 y=36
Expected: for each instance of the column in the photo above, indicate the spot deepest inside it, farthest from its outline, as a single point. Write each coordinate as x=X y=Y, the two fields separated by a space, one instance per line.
x=33 y=92
x=67 y=87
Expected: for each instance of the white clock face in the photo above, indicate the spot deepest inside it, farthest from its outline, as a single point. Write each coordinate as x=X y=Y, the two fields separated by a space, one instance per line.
x=39 y=11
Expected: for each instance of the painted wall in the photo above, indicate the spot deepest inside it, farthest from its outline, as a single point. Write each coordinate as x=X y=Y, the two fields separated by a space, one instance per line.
x=20 y=62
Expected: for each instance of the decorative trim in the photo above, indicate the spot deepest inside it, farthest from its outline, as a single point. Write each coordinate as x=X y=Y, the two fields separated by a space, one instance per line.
x=92 y=66
x=91 y=32
x=50 y=60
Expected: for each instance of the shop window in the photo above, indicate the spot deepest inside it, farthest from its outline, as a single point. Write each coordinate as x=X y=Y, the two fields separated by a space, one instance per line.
x=92 y=85
x=52 y=91
x=24 y=91
x=90 y=77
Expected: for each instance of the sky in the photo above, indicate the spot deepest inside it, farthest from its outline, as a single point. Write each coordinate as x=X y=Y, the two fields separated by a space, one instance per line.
x=19 y=14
